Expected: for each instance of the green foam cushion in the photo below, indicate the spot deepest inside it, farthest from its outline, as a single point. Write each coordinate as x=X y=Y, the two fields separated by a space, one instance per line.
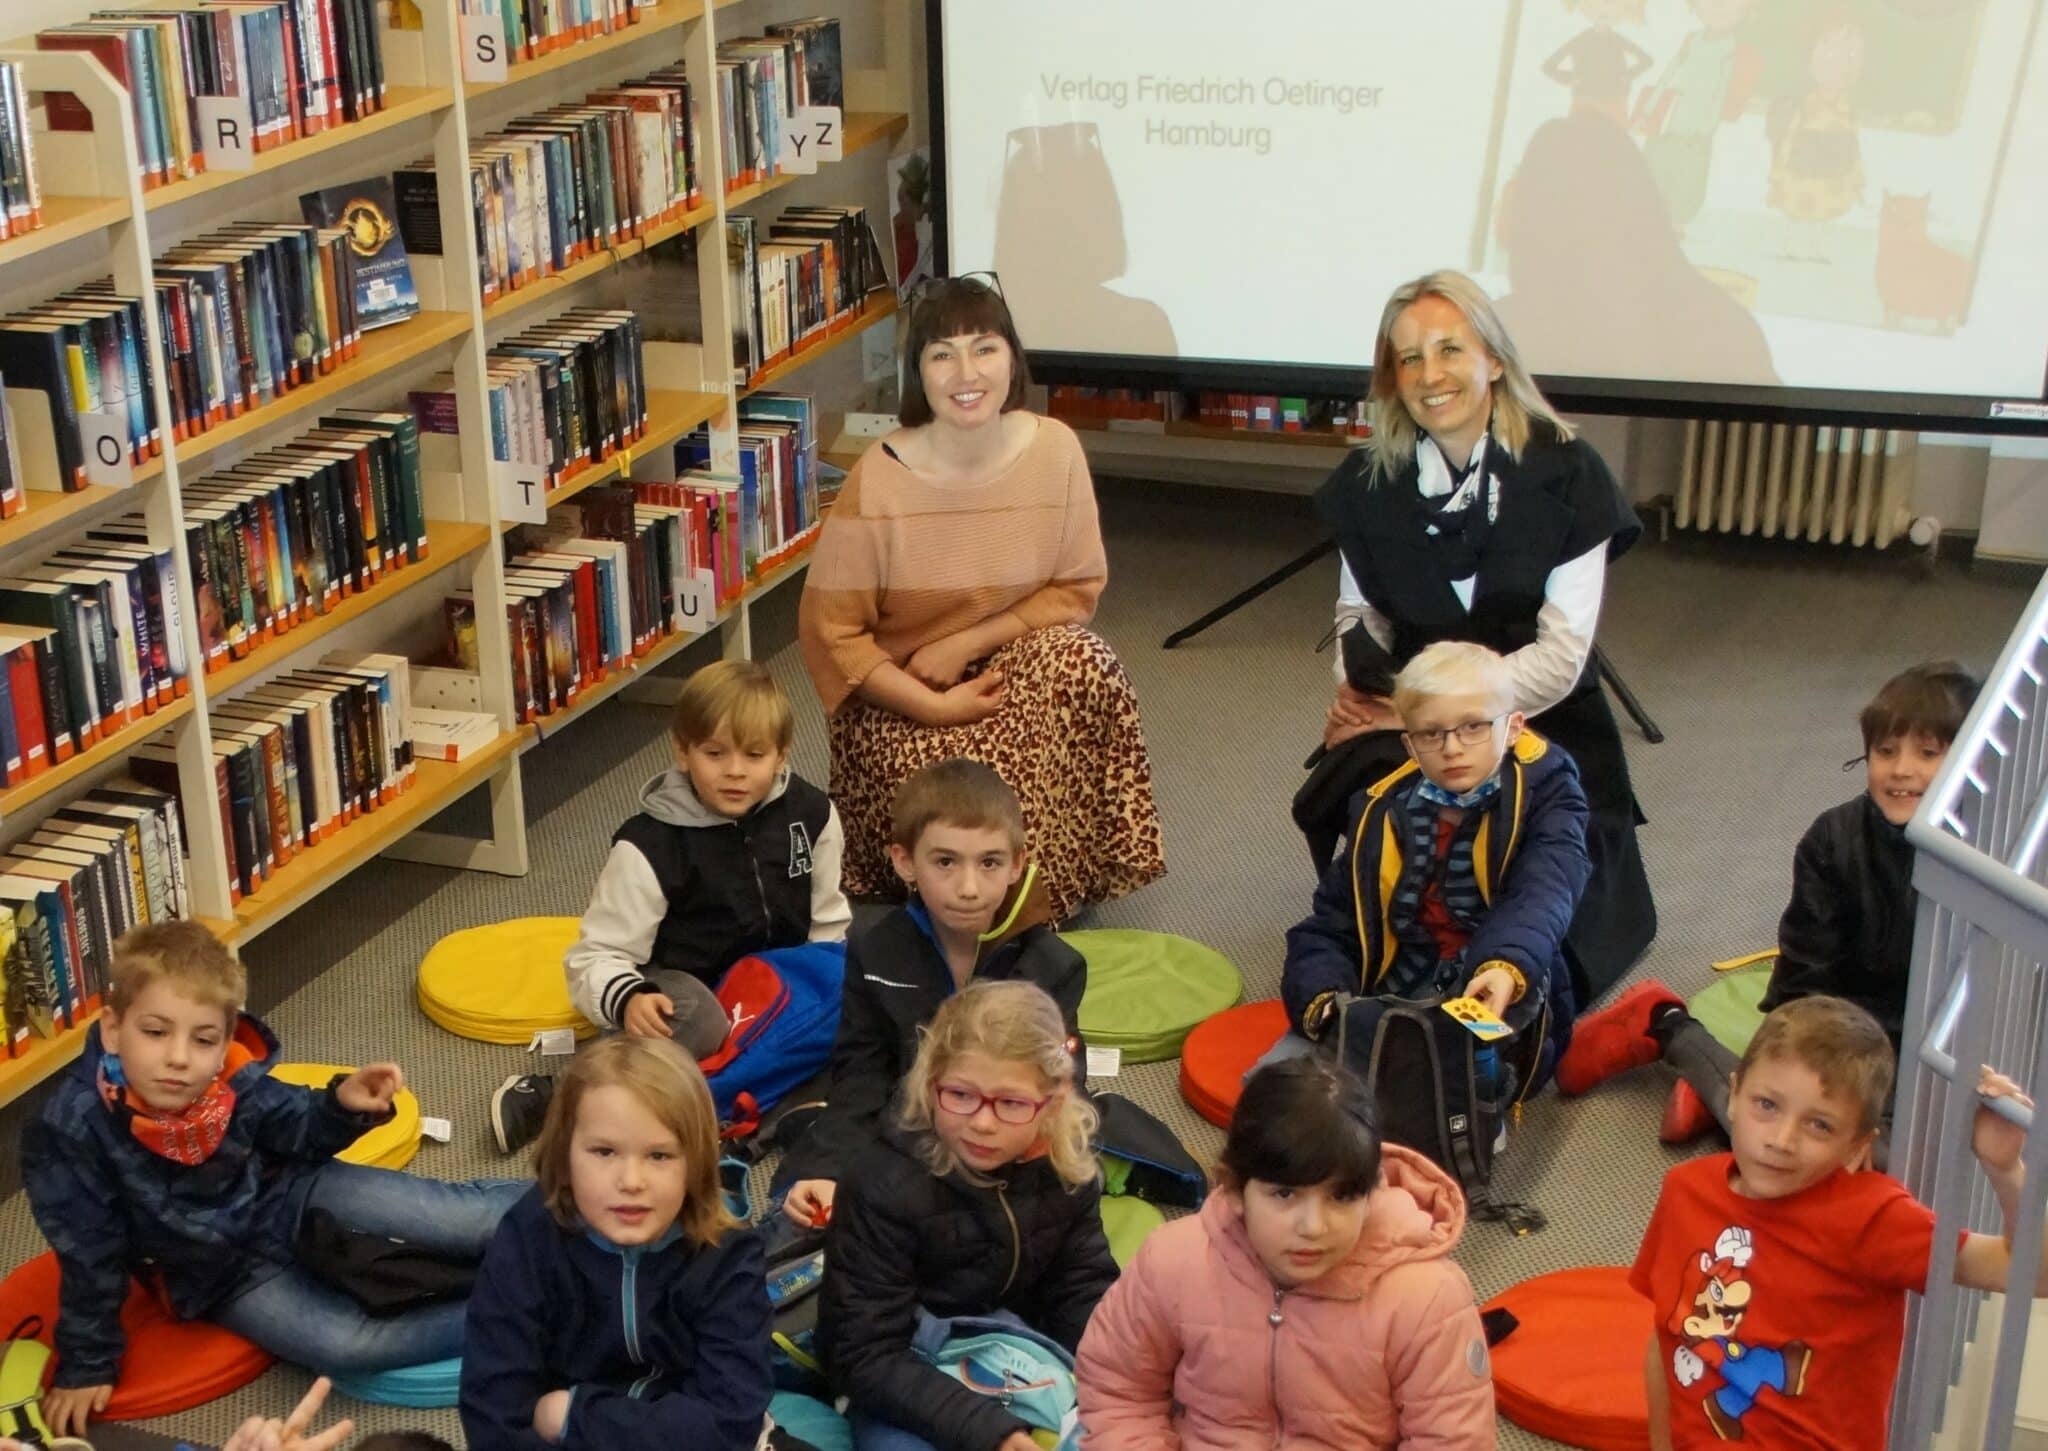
x=1148 y=990
x=1728 y=1006
x=1125 y=1223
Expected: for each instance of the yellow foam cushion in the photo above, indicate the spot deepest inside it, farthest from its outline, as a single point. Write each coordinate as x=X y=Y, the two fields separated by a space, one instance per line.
x=389 y=1145
x=502 y=983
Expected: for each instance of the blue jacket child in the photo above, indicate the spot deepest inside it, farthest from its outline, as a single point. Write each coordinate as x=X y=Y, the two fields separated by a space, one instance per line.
x=1509 y=874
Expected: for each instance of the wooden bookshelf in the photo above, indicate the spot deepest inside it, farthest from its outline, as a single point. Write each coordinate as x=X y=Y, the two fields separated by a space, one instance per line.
x=666 y=18
x=65 y=219
x=447 y=544
x=436 y=785
x=670 y=415
x=402 y=106
x=43 y=1059
x=107 y=748
x=688 y=222
x=48 y=511
x=880 y=305
x=858 y=131
x=572 y=276
x=386 y=349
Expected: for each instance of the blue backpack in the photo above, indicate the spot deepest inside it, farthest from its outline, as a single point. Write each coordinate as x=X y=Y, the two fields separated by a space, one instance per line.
x=998 y=1356
x=782 y=1011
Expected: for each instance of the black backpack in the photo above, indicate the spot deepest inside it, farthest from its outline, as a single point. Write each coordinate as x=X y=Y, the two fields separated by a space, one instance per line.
x=1433 y=1092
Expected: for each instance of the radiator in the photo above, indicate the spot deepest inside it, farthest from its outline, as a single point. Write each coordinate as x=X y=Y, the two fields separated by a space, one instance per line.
x=1796 y=481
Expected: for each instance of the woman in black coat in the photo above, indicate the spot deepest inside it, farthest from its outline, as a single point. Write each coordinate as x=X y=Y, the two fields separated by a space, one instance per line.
x=1476 y=514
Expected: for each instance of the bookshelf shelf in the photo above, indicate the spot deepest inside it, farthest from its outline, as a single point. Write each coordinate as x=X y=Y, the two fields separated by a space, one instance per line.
x=47 y=511
x=44 y=1059
x=669 y=15
x=436 y=784
x=383 y=350
x=518 y=301
x=879 y=306
x=670 y=415
x=447 y=544
x=65 y=219
x=858 y=131
x=107 y=748
x=402 y=105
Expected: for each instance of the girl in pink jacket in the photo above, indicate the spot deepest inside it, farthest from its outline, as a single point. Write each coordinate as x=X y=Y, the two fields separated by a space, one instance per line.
x=1311 y=1304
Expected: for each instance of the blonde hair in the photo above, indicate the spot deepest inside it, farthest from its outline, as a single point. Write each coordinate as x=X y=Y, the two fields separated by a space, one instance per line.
x=1841 y=1044
x=667 y=1083
x=958 y=792
x=1517 y=402
x=1453 y=667
x=183 y=954
x=1010 y=1022
x=740 y=696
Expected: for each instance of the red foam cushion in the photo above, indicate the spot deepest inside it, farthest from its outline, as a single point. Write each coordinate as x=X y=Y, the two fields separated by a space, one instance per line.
x=1572 y=1369
x=1218 y=1054
x=170 y=1365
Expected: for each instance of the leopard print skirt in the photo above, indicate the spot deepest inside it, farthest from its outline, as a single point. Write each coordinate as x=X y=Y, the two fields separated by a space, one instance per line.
x=1069 y=741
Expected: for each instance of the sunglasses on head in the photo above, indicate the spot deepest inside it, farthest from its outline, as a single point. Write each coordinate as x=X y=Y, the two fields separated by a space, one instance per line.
x=932 y=287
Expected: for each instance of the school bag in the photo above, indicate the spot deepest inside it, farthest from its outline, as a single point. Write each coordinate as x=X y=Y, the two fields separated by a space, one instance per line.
x=782 y=1013
x=1438 y=1089
x=1006 y=1360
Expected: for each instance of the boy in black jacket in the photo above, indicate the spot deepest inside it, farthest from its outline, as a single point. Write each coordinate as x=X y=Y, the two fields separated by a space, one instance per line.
x=1847 y=932
x=977 y=913
x=732 y=853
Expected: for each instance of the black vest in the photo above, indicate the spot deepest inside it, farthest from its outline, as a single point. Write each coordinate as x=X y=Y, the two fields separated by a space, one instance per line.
x=736 y=888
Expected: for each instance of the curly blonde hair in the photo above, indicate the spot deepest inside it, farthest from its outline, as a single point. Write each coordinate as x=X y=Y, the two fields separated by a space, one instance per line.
x=1011 y=1022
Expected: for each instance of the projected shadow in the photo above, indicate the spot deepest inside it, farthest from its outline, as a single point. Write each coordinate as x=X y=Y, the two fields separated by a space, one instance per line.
x=1598 y=284
x=1060 y=243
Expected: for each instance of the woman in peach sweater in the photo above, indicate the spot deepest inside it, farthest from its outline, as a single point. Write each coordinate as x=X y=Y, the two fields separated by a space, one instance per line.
x=943 y=616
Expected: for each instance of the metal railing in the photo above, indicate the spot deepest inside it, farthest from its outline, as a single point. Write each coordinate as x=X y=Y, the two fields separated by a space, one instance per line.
x=1977 y=996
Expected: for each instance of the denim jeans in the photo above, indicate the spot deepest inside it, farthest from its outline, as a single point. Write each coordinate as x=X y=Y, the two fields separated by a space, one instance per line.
x=310 y=1323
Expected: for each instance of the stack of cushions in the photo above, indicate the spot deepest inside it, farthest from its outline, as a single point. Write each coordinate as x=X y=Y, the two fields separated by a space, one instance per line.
x=1221 y=1051
x=1148 y=990
x=169 y=1366
x=388 y=1146
x=502 y=983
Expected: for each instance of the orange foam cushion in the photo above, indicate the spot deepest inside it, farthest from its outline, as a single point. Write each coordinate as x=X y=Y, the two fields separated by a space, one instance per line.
x=1572 y=1369
x=1221 y=1050
x=170 y=1365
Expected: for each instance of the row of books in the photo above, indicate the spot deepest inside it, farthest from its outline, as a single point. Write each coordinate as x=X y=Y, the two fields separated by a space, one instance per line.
x=247 y=314
x=92 y=641
x=284 y=536
x=21 y=193
x=777 y=481
x=535 y=28
x=298 y=66
x=561 y=185
x=601 y=584
x=300 y=757
x=110 y=860
x=1247 y=412
x=12 y=479
x=797 y=279
x=762 y=81
x=566 y=394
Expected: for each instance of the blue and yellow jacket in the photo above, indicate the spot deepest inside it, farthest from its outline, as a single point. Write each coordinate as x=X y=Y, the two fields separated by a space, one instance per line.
x=1529 y=860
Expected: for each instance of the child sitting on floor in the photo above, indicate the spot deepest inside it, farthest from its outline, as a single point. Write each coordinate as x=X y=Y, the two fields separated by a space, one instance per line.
x=170 y=1152
x=1460 y=873
x=732 y=853
x=1326 y=1251
x=976 y=913
x=1847 y=932
x=621 y=1305
x=982 y=1199
x=1777 y=1275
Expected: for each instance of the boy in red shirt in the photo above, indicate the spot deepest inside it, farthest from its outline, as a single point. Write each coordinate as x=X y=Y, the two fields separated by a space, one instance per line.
x=1777 y=1275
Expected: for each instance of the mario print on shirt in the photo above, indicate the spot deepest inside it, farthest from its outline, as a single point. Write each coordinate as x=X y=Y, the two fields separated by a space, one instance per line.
x=1715 y=1297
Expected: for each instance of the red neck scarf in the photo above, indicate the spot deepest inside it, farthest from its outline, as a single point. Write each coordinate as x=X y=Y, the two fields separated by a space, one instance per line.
x=190 y=1135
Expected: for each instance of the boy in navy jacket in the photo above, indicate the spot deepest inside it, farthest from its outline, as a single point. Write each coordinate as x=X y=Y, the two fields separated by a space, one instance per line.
x=1461 y=870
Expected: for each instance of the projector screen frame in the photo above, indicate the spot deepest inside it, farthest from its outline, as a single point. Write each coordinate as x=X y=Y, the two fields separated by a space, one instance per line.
x=1860 y=408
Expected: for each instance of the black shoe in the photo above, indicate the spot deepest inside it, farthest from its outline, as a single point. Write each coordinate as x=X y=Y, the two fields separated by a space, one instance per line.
x=519 y=1108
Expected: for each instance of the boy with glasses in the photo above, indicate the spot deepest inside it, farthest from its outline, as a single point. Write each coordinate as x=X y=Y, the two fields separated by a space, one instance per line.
x=1460 y=872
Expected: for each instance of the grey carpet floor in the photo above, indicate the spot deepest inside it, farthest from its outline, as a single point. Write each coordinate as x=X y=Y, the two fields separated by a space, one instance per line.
x=1754 y=659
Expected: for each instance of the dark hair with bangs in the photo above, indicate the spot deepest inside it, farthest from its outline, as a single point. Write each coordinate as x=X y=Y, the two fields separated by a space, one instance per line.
x=1303 y=1121
x=1930 y=699
x=951 y=308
